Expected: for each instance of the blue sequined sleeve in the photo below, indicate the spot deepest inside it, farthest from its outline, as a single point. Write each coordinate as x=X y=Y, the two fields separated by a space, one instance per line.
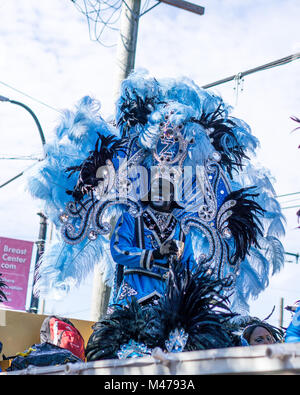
x=123 y=246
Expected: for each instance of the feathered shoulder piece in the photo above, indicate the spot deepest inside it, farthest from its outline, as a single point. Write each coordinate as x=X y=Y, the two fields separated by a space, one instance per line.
x=106 y=148
x=134 y=111
x=81 y=144
x=73 y=141
x=244 y=222
x=230 y=137
x=138 y=99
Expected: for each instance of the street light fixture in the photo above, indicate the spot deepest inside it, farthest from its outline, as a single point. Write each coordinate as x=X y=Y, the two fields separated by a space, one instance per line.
x=7 y=100
x=43 y=220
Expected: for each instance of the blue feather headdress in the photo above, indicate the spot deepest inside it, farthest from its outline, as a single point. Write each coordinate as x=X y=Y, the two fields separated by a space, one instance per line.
x=172 y=125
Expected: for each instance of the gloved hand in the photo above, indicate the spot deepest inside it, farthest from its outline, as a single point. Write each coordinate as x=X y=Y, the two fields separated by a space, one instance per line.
x=167 y=248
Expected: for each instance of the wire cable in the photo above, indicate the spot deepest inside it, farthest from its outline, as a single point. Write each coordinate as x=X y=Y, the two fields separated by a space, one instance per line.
x=17 y=176
x=21 y=157
x=267 y=66
x=31 y=97
x=150 y=8
x=100 y=15
x=291 y=200
x=287 y=194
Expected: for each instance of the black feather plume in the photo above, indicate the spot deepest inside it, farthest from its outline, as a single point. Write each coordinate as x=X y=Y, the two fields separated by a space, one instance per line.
x=118 y=328
x=296 y=120
x=135 y=110
x=223 y=138
x=87 y=179
x=195 y=301
x=244 y=222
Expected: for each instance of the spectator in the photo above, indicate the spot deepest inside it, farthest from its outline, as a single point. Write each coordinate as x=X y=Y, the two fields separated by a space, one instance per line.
x=261 y=332
x=292 y=334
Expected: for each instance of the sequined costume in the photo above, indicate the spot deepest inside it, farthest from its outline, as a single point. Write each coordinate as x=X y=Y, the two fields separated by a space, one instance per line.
x=132 y=245
x=229 y=207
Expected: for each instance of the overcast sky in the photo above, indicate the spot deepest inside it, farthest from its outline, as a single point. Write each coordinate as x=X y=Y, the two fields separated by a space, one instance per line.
x=47 y=53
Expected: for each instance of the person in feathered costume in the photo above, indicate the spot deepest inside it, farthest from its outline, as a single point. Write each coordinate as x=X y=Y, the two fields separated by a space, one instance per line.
x=227 y=205
x=143 y=247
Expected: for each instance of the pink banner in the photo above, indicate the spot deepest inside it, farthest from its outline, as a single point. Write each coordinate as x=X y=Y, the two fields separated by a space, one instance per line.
x=15 y=259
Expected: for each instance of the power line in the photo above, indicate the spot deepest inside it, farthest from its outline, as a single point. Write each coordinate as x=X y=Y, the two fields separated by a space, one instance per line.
x=37 y=122
x=30 y=97
x=17 y=176
x=149 y=9
x=21 y=157
x=283 y=208
x=267 y=66
x=287 y=194
x=100 y=15
x=276 y=63
x=291 y=200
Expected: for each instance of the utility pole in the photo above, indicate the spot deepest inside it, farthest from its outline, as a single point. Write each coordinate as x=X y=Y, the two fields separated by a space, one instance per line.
x=34 y=304
x=127 y=43
x=130 y=15
x=185 y=5
x=100 y=296
x=126 y=50
x=281 y=312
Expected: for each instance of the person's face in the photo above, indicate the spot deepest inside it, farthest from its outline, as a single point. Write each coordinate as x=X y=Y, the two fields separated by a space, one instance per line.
x=261 y=335
x=162 y=194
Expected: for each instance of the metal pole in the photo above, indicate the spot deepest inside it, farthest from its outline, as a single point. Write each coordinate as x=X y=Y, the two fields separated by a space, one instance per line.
x=127 y=42
x=295 y=255
x=7 y=100
x=34 y=117
x=100 y=297
x=40 y=250
x=126 y=51
x=281 y=313
x=185 y=5
x=43 y=220
x=101 y=291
